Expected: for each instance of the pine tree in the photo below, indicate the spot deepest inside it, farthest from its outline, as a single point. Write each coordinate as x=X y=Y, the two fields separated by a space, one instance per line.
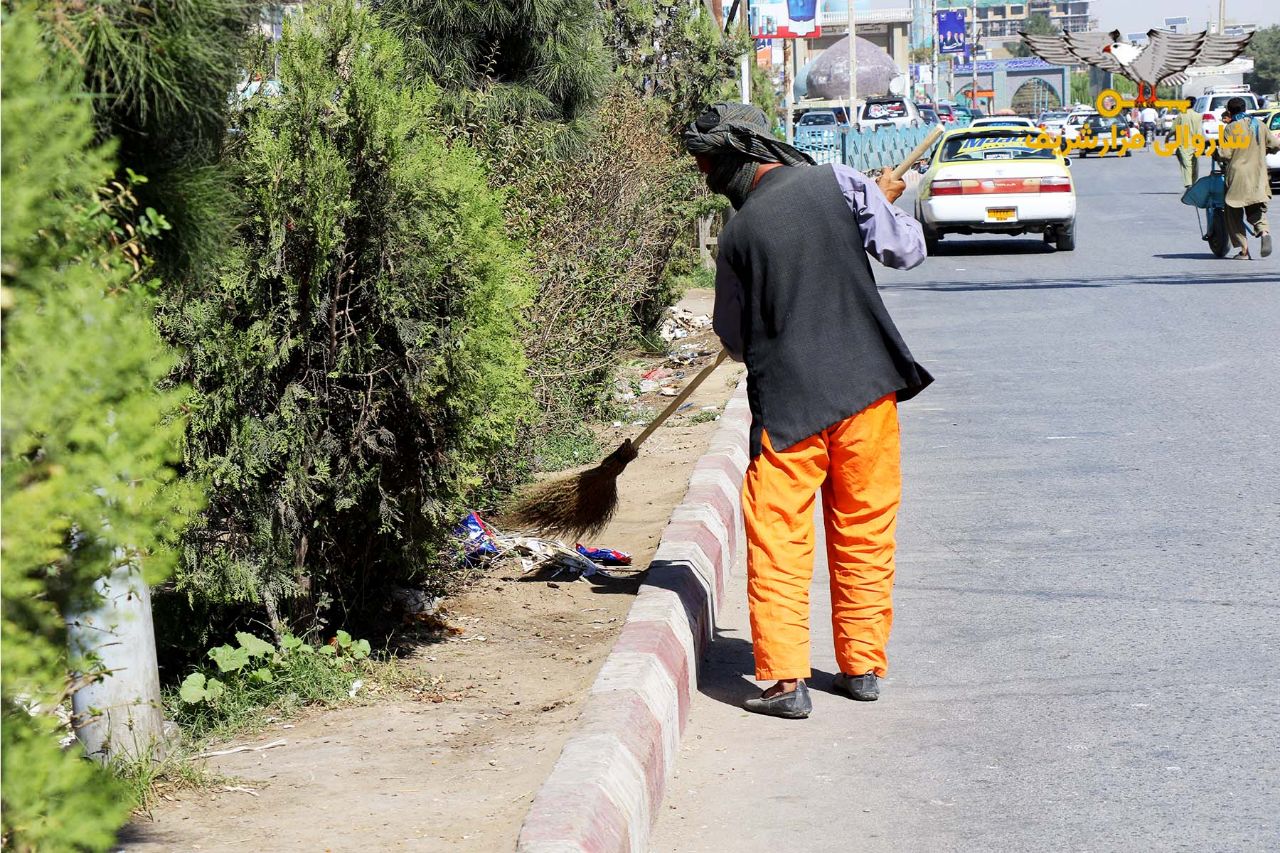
x=161 y=74
x=357 y=361
x=89 y=446
x=504 y=60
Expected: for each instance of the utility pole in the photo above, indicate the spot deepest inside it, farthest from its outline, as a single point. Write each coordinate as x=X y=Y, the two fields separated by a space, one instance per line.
x=933 y=39
x=853 y=68
x=973 y=57
x=1222 y=17
x=788 y=93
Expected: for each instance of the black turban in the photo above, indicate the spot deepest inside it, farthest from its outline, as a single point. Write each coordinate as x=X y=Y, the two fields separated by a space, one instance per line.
x=737 y=139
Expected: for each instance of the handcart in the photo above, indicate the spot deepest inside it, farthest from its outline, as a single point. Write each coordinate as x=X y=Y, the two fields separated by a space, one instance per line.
x=1209 y=194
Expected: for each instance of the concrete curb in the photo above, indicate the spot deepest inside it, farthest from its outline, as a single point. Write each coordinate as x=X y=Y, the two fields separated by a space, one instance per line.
x=604 y=791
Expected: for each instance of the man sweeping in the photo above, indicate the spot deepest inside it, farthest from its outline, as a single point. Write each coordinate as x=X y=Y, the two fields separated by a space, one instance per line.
x=797 y=301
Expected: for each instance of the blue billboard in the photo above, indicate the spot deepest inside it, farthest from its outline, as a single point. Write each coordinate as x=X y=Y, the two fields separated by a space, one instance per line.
x=951 y=32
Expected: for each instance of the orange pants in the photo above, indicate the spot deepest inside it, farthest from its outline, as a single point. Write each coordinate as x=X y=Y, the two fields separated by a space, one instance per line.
x=856 y=465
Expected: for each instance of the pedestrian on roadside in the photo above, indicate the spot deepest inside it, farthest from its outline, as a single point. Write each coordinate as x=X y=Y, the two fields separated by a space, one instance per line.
x=1187 y=126
x=1245 y=166
x=1149 y=117
x=796 y=300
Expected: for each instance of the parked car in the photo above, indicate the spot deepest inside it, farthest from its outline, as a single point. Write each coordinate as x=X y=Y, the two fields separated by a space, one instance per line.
x=946 y=113
x=1270 y=118
x=1211 y=104
x=899 y=112
x=818 y=130
x=964 y=115
x=818 y=118
x=928 y=115
x=988 y=180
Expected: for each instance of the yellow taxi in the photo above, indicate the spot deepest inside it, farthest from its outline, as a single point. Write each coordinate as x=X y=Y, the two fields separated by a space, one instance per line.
x=994 y=180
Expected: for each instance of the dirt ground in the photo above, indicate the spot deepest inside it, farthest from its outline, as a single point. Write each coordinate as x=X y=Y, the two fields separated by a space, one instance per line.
x=458 y=774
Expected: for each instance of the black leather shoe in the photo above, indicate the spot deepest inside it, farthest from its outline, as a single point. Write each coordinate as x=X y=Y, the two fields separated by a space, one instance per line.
x=795 y=705
x=863 y=688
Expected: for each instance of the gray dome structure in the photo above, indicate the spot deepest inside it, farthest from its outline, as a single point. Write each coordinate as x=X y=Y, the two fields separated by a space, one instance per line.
x=828 y=76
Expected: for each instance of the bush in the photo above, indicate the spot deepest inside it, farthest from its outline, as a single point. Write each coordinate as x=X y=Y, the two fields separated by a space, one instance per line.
x=89 y=446
x=161 y=74
x=255 y=676
x=357 y=364
x=601 y=226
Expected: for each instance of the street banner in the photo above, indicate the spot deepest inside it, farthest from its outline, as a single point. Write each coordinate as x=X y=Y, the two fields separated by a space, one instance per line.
x=951 y=32
x=789 y=19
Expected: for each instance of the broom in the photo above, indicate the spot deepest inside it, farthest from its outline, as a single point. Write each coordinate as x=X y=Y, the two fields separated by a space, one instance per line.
x=581 y=504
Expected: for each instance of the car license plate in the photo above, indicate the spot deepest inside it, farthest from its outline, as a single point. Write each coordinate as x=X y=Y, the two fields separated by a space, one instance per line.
x=1001 y=214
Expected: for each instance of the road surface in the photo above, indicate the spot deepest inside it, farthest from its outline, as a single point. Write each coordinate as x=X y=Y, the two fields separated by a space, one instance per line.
x=1086 y=651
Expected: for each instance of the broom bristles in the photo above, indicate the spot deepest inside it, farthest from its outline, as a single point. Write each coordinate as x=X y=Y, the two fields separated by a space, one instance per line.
x=576 y=506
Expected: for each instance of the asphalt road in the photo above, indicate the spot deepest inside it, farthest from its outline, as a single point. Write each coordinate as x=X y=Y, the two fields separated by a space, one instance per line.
x=1086 y=650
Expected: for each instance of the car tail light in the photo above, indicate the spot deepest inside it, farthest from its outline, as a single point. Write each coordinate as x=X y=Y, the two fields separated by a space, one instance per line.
x=1001 y=185
x=1210 y=116
x=1055 y=185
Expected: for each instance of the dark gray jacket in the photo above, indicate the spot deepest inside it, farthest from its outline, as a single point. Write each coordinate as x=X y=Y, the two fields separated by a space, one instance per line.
x=819 y=344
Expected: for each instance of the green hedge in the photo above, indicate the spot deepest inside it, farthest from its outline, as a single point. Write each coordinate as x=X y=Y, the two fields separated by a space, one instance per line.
x=357 y=362
x=89 y=446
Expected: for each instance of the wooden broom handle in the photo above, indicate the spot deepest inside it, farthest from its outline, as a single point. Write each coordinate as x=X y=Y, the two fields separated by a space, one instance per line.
x=680 y=398
x=917 y=152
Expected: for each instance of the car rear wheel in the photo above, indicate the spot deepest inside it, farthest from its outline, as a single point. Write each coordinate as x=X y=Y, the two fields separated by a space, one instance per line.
x=1065 y=237
x=931 y=237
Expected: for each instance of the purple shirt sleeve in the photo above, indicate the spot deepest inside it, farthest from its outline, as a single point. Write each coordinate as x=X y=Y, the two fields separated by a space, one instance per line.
x=889 y=234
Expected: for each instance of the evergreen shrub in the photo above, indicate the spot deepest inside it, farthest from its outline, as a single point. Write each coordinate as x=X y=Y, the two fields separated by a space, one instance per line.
x=90 y=448
x=358 y=372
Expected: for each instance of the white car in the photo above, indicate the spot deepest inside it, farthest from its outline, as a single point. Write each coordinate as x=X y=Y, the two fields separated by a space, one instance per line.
x=1071 y=125
x=900 y=112
x=1052 y=121
x=1005 y=121
x=1270 y=118
x=987 y=180
x=1211 y=104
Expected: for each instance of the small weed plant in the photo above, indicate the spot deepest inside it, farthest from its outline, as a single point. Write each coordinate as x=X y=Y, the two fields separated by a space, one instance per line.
x=246 y=681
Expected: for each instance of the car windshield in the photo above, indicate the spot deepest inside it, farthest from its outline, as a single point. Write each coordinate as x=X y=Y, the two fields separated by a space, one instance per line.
x=884 y=109
x=944 y=110
x=1219 y=101
x=818 y=118
x=992 y=146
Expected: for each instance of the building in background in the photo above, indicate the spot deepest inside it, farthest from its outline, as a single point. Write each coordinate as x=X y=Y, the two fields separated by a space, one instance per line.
x=1002 y=20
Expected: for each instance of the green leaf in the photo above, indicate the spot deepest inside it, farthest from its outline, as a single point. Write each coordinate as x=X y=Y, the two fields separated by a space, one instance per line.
x=361 y=649
x=262 y=675
x=288 y=642
x=344 y=639
x=192 y=689
x=253 y=645
x=214 y=689
x=229 y=659
x=328 y=651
